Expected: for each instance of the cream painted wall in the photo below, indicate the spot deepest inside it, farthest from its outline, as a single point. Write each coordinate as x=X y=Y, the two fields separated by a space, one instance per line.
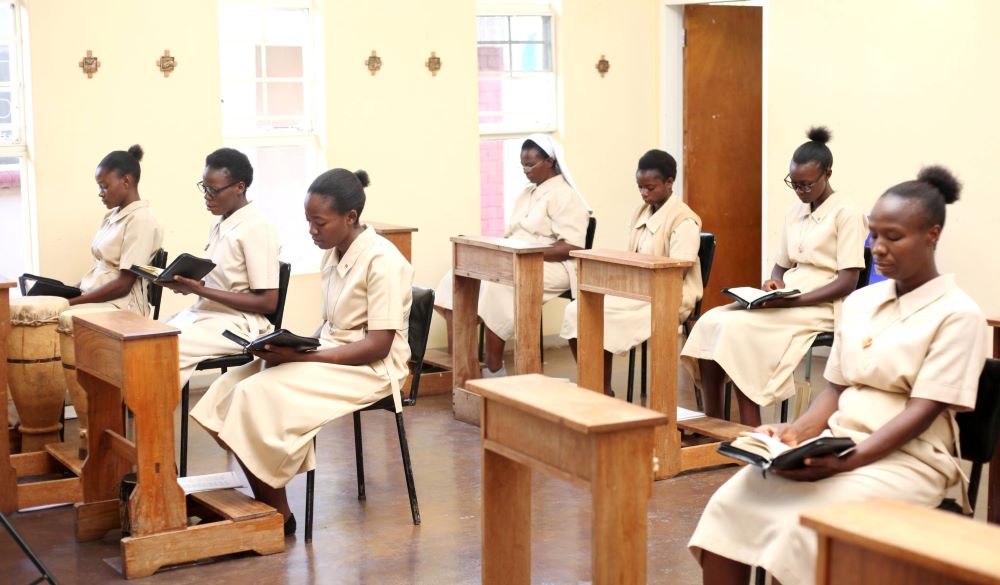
x=901 y=83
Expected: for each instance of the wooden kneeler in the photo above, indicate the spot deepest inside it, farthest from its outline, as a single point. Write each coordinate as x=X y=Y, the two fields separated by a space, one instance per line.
x=657 y=280
x=122 y=356
x=604 y=445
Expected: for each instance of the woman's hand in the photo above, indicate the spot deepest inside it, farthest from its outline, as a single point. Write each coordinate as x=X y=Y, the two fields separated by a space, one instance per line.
x=185 y=286
x=817 y=468
x=784 y=432
x=772 y=284
x=275 y=354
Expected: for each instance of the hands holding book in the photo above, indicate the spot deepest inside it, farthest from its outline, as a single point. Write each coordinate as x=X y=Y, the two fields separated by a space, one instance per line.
x=184 y=285
x=815 y=468
x=773 y=284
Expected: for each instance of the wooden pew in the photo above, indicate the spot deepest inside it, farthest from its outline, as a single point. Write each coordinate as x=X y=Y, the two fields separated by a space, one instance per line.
x=657 y=280
x=400 y=236
x=894 y=543
x=504 y=261
x=604 y=445
x=16 y=495
x=123 y=356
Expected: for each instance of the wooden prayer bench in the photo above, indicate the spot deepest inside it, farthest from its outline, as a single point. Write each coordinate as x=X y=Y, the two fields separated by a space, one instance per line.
x=656 y=280
x=894 y=543
x=400 y=236
x=37 y=468
x=123 y=356
x=598 y=443
x=504 y=261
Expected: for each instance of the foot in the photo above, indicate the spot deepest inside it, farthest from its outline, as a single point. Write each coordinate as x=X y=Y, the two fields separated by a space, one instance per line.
x=290 y=525
x=487 y=373
x=610 y=393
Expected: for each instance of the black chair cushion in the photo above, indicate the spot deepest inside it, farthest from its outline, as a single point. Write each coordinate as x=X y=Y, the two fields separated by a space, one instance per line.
x=421 y=310
x=226 y=361
x=979 y=430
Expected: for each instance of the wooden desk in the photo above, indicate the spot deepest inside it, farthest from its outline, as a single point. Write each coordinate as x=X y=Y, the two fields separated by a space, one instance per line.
x=657 y=280
x=893 y=543
x=123 y=356
x=993 y=483
x=400 y=236
x=599 y=443
x=16 y=496
x=503 y=261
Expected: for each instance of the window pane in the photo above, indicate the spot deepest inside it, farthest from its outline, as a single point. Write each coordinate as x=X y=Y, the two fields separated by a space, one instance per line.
x=4 y=62
x=501 y=180
x=285 y=98
x=524 y=104
x=492 y=28
x=6 y=107
x=529 y=28
x=286 y=27
x=494 y=58
x=12 y=219
x=284 y=61
x=530 y=57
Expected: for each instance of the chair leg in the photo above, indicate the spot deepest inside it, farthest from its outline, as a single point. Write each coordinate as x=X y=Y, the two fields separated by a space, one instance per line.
x=760 y=576
x=727 y=401
x=642 y=376
x=310 y=488
x=631 y=374
x=482 y=341
x=404 y=448
x=541 y=342
x=185 y=402
x=809 y=364
x=784 y=410
x=46 y=576
x=699 y=400
x=359 y=456
x=974 y=477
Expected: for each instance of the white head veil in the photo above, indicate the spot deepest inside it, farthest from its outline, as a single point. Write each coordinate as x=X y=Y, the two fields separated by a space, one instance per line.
x=554 y=150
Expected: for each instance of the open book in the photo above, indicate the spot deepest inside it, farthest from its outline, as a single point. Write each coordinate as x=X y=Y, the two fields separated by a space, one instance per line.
x=768 y=452
x=281 y=337
x=38 y=286
x=184 y=265
x=752 y=298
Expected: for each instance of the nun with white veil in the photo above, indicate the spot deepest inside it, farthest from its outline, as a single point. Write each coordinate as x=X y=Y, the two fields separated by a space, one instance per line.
x=549 y=211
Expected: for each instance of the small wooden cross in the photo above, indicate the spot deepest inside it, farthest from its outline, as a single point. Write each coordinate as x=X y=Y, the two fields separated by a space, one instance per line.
x=90 y=64
x=166 y=63
x=374 y=63
x=433 y=64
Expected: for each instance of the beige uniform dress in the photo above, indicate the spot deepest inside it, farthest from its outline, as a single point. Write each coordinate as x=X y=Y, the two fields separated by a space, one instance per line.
x=673 y=231
x=268 y=417
x=543 y=214
x=245 y=248
x=930 y=343
x=128 y=235
x=759 y=349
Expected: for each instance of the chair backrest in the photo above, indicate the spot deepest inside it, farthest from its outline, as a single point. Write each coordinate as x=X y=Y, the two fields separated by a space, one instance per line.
x=421 y=310
x=706 y=255
x=155 y=292
x=866 y=275
x=284 y=275
x=588 y=241
x=979 y=429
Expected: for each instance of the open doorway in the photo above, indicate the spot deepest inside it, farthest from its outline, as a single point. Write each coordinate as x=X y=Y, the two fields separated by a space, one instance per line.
x=713 y=87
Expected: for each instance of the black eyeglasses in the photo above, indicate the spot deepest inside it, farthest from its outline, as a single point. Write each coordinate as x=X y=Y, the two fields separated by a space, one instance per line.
x=212 y=193
x=801 y=187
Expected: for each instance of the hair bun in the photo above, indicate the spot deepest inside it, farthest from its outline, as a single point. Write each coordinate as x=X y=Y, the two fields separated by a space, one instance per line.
x=819 y=134
x=943 y=180
x=362 y=176
x=136 y=151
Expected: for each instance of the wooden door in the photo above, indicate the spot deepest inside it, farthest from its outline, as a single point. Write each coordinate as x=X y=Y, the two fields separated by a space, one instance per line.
x=722 y=138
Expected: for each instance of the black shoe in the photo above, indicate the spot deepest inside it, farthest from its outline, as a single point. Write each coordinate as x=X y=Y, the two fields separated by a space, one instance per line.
x=290 y=525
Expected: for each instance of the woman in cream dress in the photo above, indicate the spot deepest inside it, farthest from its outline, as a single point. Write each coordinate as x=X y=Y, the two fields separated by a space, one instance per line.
x=129 y=234
x=549 y=211
x=821 y=253
x=662 y=225
x=243 y=287
x=907 y=355
x=268 y=417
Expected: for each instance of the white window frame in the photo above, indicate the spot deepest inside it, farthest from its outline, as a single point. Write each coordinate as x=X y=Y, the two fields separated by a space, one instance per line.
x=313 y=137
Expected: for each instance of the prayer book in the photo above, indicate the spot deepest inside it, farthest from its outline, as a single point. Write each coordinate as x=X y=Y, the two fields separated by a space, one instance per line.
x=768 y=452
x=193 y=484
x=184 y=265
x=752 y=298
x=37 y=286
x=281 y=337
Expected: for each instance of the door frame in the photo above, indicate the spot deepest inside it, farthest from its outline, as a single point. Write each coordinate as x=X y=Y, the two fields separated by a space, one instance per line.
x=672 y=99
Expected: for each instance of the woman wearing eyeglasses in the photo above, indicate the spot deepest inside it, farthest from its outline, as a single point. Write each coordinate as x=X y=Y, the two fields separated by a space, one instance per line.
x=821 y=253
x=243 y=287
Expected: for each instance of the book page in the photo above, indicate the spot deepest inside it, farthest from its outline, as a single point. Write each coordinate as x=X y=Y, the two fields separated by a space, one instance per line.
x=207 y=483
x=761 y=444
x=150 y=269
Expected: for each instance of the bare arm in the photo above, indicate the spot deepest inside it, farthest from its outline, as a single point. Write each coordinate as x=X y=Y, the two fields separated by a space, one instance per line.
x=263 y=302
x=108 y=291
x=560 y=251
x=841 y=286
x=812 y=422
x=374 y=347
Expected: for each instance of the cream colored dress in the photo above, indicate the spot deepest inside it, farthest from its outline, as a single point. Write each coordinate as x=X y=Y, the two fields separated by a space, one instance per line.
x=128 y=235
x=245 y=248
x=930 y=343
x=759 y=349
x=673 y=231
x=268 y=417
x=544 y=214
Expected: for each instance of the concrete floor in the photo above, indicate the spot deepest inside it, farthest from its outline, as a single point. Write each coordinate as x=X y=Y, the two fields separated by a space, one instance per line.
x=374 y=541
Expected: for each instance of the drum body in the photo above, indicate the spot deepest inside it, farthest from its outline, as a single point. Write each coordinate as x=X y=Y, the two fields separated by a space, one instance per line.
x=76 y=392
x=34 y=368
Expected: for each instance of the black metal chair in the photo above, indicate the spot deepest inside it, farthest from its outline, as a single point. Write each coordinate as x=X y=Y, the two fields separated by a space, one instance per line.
x=231 y=361
x=588 y=244
x=155 y=292
x=421 y=310
x=45 y=574
x=706 y=255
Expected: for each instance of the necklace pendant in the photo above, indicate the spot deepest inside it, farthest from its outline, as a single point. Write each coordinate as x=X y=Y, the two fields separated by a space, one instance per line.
x=866 y=343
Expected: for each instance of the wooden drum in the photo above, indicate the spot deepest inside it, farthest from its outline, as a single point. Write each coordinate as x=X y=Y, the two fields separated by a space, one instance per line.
x=34 y=368
x=76 y=392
